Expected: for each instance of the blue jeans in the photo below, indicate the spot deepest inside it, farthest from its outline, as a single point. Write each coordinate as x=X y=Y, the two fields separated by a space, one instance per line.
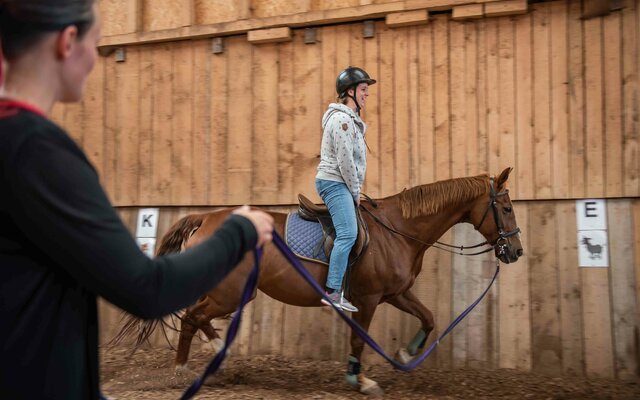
x=340 y=202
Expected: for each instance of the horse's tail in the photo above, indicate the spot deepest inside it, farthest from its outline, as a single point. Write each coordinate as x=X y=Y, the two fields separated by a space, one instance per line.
x=174 y=239
x=171 y=242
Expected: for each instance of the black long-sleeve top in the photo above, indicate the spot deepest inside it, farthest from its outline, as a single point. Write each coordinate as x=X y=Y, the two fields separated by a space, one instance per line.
x=61 y=245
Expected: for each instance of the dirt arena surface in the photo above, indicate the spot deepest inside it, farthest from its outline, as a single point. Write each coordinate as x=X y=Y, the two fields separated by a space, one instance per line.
x=148 y=374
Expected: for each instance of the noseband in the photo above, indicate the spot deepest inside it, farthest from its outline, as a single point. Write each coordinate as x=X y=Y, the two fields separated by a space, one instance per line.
x=501 y=241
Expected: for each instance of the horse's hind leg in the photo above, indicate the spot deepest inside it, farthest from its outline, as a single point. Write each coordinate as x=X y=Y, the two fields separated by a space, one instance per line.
x=191 y=321
x=409 y=303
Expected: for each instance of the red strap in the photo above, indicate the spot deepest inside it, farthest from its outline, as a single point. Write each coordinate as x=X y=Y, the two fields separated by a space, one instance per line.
x=10 y=107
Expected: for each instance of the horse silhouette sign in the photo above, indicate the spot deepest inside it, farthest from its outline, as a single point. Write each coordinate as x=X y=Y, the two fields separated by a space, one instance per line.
x=591 y=218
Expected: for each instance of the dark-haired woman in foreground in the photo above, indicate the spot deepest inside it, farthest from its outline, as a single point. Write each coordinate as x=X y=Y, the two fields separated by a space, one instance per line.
x=61 y=242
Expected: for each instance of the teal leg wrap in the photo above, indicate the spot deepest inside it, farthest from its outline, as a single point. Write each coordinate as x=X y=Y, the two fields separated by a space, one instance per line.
x=353 y=369
x=417 y=342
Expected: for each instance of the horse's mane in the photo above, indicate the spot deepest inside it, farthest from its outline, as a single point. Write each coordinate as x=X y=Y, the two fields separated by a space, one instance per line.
x=431 y=198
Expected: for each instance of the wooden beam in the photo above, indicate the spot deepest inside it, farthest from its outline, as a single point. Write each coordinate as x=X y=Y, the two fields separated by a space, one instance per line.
x=508 y=7
x=468 y=11
x=272 y=35
x=407 y=18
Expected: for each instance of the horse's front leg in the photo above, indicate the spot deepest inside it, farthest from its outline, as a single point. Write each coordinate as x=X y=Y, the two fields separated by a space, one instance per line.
x=355 y=376
x=409 y=303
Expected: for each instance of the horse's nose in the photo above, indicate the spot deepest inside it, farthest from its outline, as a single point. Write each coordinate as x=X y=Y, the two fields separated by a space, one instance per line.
x=519 y=252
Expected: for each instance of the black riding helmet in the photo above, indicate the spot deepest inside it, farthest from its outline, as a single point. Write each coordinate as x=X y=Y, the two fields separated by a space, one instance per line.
x=350 y=78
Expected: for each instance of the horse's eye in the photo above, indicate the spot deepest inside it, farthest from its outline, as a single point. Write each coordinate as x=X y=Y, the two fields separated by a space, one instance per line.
x=507 y=210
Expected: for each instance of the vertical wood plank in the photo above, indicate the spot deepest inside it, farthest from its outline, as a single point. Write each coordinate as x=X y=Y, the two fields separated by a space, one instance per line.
x=461 y=280
x=480 y=326
x=443 y=309
x=127 y=105
x=112 y=80
x=387 y=129
x=413 y=109
x=145 y=128
x=239 y=136
x=471 y=86
x=559 y=96
x=570 y=290
x=514 y=303
x=308 y=114
x=93 y=111
x=596 y=316
x=636 y=251
x=166 y=14
x=265 y=123
x=524 y=168
x=631 y=108
x=576 y=101
x=545 y=332
x=457 y=109
x=506 y=96
x=202 y=90
x=623 y=287
x=541 y=101
x=492 y=95
x=182 y=124
x=401 y=109
x=612 y=81
x=594 y=107
x=482 y=93
x=162 y=120
x=373 y=117
x=425 y=99
x=285 y=124
x=220 y=79
x=119 y=16
x=442 y=100
x=216 y=11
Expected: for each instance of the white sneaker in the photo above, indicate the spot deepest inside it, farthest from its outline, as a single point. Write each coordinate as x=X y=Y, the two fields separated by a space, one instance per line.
x=338 y=299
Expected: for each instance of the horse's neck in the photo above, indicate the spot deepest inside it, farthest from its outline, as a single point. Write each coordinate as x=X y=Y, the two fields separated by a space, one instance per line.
x=426 y=229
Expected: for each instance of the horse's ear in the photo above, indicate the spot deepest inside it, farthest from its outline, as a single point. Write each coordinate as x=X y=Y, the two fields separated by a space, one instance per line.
x=503 y=177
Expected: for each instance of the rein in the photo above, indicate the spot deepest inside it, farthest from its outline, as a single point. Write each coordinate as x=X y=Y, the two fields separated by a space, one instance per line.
x=251 y=286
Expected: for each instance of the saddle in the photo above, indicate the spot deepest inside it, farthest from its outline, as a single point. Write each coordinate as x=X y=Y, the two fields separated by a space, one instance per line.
x=320 y=213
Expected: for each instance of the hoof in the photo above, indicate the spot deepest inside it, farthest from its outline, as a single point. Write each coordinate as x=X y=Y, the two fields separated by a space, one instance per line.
x=403 y=356
x=184 y=371
x=370 y=387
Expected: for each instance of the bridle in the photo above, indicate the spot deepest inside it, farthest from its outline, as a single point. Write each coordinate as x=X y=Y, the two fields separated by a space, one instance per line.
x=500 y=243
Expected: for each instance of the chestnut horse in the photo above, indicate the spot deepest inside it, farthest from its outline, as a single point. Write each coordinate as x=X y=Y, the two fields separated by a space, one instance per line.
x=402 y=227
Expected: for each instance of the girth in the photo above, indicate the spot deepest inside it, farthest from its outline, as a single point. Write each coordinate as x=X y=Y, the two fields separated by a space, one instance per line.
x=320 y=213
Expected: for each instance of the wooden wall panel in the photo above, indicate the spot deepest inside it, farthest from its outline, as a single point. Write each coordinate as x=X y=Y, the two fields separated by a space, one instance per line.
x=514 y=303
x=623 y=288
x=545 y=303
x=570 y=295
x=453 y=98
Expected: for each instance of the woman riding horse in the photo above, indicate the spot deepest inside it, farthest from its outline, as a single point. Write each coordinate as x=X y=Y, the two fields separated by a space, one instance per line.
x=343 y=162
